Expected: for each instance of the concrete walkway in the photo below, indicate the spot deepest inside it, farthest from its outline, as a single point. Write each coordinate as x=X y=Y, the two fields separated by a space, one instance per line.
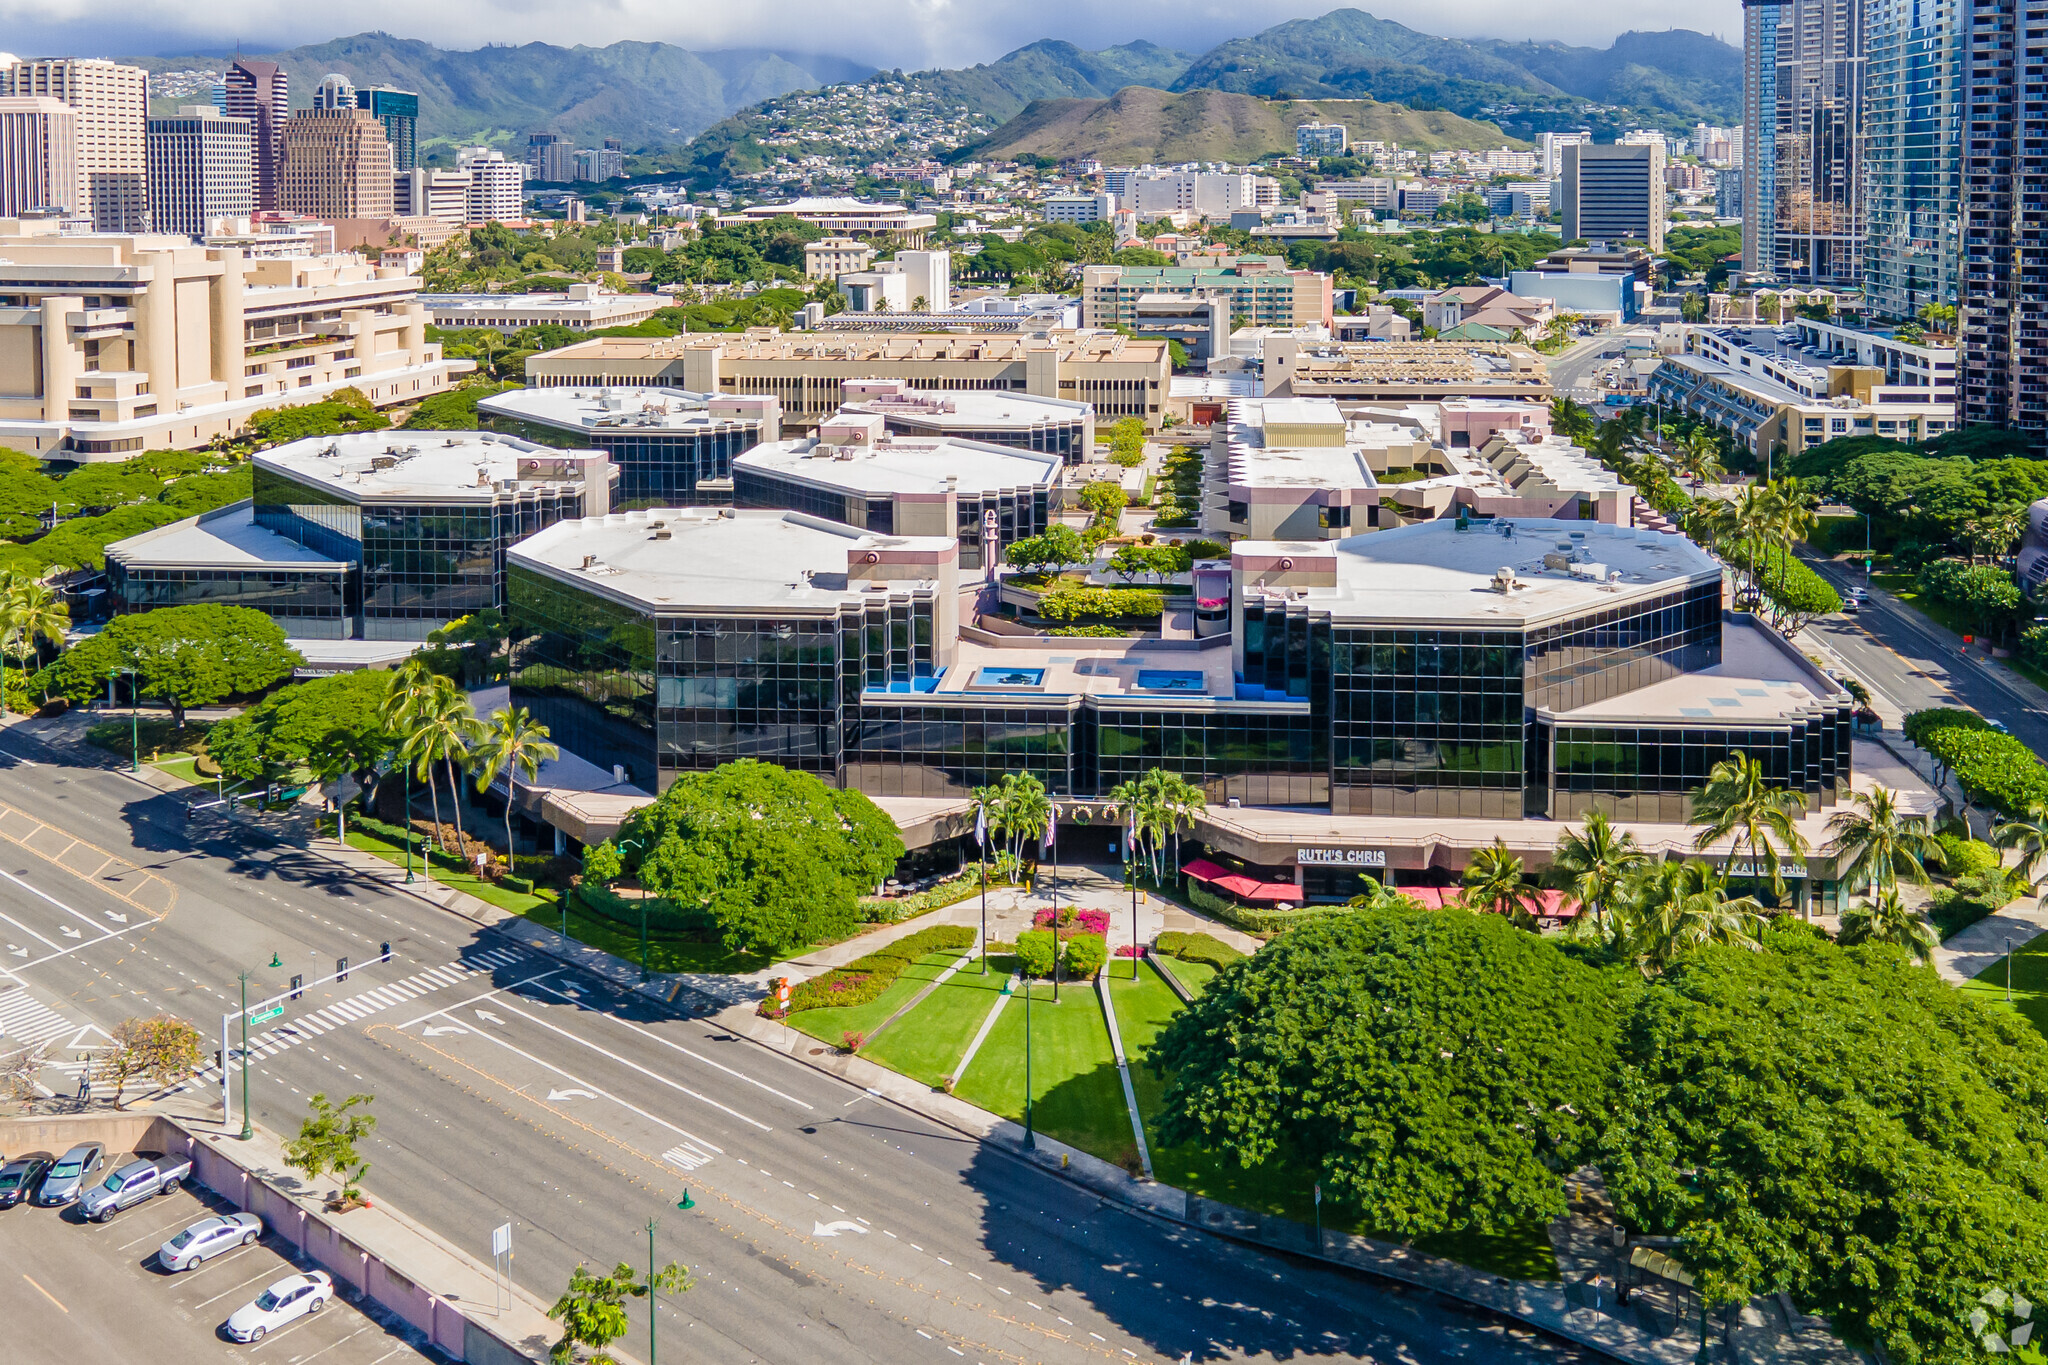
x=1971 y=950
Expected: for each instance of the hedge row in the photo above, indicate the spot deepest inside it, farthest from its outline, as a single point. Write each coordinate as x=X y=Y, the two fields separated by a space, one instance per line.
x=1071 y=601
x=1994 y=768
x=663 y=916
x=1251 y=919
x=949 y=892
x=1197 y=948
x=865 y=978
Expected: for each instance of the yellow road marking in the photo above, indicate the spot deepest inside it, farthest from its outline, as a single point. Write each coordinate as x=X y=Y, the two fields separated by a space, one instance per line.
x=46 y=1294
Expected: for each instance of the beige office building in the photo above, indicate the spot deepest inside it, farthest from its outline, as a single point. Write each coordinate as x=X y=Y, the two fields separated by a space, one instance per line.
x=1403 y=371
x=337 y=164
x=38 y=154
x=114 y=344
x=113 y=133
x=1119 y=376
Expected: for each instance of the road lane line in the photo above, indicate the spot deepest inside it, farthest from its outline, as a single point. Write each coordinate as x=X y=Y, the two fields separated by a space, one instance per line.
x=78 y=947
x=33 y=891
x=740 y=1075
x=460 y=1004
x=46 y=1294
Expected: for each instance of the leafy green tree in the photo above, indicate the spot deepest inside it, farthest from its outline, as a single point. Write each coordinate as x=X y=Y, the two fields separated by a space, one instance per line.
x=515 y=744
x=1839 y=1124
x=1105 y=500
x=1060 y=547
x=183 y=656
x=326 y=1144
x=1439 y=1070
x=343 y=716
x=592 y=1310
x=775 y=857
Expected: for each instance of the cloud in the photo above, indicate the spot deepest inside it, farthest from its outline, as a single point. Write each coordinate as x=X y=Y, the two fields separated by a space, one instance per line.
x=889 y=33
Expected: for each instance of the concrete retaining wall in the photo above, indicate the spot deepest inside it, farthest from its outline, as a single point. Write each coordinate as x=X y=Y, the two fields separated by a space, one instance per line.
x=121 y=1132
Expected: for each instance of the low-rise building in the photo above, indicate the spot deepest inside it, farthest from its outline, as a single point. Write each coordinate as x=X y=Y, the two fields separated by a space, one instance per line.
x=1261 y=289
x=1078 y=208
x=1404 y=372
x=583 y=308
x=863 y=218
x=1488 y=306
x=371 y=535
x=830 y=257
x=670 y=447
x=1055 y=426
x=1115 y=375
x=118 y=344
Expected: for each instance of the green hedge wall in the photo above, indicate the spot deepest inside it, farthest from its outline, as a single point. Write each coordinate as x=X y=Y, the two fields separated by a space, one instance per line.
x=865 y=978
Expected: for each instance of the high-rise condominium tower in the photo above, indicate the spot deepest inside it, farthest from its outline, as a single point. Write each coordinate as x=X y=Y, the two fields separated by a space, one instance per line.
x=261 y=93
x=1912 y=104
x=113 y=124
x=1802 y=189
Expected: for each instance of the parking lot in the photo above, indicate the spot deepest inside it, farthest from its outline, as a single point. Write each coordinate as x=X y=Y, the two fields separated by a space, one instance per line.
x=76 y=1291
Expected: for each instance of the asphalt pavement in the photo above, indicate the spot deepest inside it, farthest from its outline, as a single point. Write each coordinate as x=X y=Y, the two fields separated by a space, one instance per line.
x=827 y=1225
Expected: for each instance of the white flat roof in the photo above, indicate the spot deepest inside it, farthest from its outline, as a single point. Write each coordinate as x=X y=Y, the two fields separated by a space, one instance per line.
x=615 y=407
x=714 y=559
x=387 y=464
x=905 y=465
x=1432 y=571
x=980 y=408
x=228 y=538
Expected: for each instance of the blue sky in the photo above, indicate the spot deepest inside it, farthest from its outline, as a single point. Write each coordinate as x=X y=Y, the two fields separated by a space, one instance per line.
x=906 y=33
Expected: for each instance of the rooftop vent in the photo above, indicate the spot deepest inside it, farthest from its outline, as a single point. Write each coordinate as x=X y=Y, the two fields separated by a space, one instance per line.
x=661 y=532
x=589 y=560
x=1503 y=580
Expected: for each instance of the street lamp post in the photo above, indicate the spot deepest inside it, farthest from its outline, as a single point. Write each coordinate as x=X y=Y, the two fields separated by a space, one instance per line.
x=652 y=1305
x=1031 y=1138
x=134 y=716
x=635 y=843
x=248 y=1129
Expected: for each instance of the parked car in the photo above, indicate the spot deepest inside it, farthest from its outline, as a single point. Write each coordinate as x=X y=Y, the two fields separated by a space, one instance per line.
x=290 y=1299
x=19 y=1177
x=132 y=1184
x=72 y=1174
x=208 y=1238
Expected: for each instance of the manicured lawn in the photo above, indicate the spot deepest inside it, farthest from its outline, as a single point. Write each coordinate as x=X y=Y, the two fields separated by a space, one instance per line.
x=665 y=952
x=447 y=874
x=1196 y=976
x=832 y=1023
x=1280 y=1186
x=2029 y=983
x=926 y=1044
x=185 y=770
x=1080 y=1100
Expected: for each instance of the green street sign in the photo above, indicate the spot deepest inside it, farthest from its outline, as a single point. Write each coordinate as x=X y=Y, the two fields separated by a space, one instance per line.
x=258 y=1016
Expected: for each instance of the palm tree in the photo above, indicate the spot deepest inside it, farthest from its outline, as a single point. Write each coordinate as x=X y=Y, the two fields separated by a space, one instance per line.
x=1887 y=919
x=439 y=727
x=1738 y=800
x=1793 y=515
x=1882 y=842
x=2028 y=835
x=29 y=613
x=515 y=744
x=1017 y=808
x=1674 y=907
x=1494 y=884
x=1157 y=805
x=1593 y=866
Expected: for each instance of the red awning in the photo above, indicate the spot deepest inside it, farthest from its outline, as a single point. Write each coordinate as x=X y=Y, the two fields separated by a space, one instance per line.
x=1238 y=884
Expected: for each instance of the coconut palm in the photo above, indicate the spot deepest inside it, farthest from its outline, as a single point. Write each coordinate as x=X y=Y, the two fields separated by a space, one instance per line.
x=1887 y=919
x=1017 y=810
x=435 y=719
x=1738 y=800
x=1157 y=805
x=2028 y=836
x=1593 y=866
x=515 y=744
x=1494 y=883
x=30 y=613
x=1671 y=908
x=1882 y=843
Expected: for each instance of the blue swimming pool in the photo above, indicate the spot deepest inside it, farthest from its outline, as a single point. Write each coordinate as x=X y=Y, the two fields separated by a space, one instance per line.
x=1171 y=680
x=1008 y=680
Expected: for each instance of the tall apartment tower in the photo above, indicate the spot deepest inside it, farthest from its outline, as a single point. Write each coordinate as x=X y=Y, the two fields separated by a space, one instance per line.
x=551 y=157
x=38 y=154
x=201 y=168
x=337 y=164
x=496 y=186
x=113 y=133
x=1613 y=192
x=2002 y=302
x=1912 y=101
x=399 y=112
x=1803 y=173
x=261 y=93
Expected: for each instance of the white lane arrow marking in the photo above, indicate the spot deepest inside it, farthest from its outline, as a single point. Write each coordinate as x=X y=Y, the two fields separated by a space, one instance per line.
x=70 y=932
x=118 y=919
x=570 y=1094
x=835 y=1228
x=490 y=1018
x=437 y=1032
x=18 y=952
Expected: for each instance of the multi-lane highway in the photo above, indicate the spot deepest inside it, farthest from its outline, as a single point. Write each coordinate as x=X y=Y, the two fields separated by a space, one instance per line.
x=827 y=1224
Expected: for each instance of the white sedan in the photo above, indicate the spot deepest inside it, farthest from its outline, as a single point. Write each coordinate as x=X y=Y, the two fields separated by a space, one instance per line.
x=289 y=1299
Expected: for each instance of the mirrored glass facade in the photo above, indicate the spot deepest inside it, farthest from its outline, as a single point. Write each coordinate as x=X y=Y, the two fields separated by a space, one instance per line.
x=309 y=604
x=657 y=468
x=1650 y=773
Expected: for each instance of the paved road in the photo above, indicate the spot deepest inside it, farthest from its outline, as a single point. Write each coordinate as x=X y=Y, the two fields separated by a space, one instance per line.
x=1899 y=653
x=1570 y=368
x=828 y=1226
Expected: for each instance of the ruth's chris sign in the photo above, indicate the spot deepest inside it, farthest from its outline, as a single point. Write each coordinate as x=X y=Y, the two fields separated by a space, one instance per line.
x=1340 y=857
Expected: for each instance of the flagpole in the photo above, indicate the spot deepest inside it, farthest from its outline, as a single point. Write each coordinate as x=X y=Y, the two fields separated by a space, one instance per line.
x=1052 y=840
x=981 y=861
x=1131 y=855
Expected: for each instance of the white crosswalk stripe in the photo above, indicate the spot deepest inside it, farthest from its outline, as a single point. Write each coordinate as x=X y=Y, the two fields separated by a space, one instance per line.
x=26 y=1021
x=273 y=1041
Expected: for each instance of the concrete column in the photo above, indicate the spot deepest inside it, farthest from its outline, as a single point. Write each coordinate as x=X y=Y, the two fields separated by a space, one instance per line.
x=415 y=336
x=62 y=364
x=156 y=331
x=225 y=296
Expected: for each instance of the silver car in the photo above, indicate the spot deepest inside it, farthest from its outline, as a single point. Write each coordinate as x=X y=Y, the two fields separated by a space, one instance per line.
x=208 y=1238
x=72 y=1174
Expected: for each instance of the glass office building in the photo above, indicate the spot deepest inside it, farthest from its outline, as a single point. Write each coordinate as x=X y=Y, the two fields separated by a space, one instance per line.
x=1052 y=426
x=223 y=558
x=1912 y=142
x=672 y=448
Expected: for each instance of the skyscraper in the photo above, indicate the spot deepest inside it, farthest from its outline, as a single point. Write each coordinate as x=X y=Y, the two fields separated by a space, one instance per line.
x=113 y=124
x=201 y=168
x=2002 y=302
x=335 y=91
x=1802 y=190
x=551 y=156
x=1613 y=193
x=261 y=93
x=337 y=164
x=38 y=154
x=399 y=112
x=1912 y=134
x=495 y=185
